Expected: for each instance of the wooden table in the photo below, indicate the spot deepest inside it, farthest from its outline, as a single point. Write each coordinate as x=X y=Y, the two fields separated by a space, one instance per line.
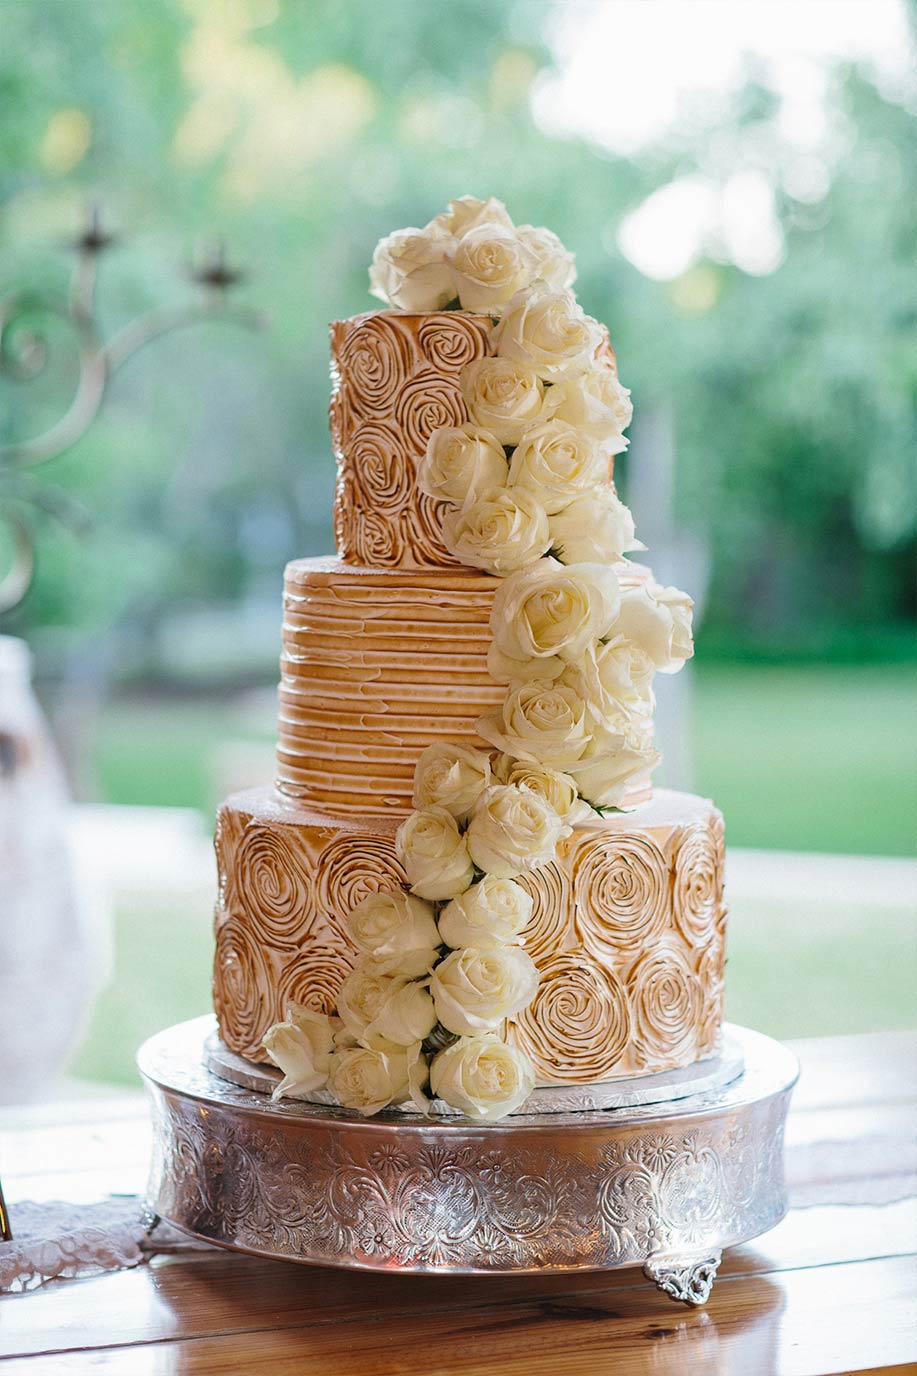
x=832 y=1289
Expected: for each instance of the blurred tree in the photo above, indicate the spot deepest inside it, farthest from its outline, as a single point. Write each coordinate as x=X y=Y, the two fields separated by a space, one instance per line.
x=304 y=132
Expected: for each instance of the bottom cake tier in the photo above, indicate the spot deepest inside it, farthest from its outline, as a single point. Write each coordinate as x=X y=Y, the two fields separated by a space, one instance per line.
x=628 y=930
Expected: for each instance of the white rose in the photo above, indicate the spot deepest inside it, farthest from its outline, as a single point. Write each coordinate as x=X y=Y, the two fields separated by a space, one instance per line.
x=475 y=990
x=363 y=993
x=596 y=526
x=542 y=722
x=556 y=267
x=434 y=854
x=491 y=913
x=502 y=396
x=596 y=404
x=377 y=1007
x=549 y=610
x=407 y=1016
x=461 y=462
x=451 y=776
x=300 y=1047
x=557 y=463
x=414 y=964
x=504 y=530
x=467 y=213
x=369 y=1078
x=614 y=679
x=489 y=266
x=411 y=269
x=549 y=331
x=392 y=924
x=658 y=621
x=513 y=830
x=483 y=1077
x=557 y=789
x=605 y=778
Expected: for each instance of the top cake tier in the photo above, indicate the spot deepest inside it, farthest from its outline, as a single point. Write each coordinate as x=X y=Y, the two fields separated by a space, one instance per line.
x=395 y=379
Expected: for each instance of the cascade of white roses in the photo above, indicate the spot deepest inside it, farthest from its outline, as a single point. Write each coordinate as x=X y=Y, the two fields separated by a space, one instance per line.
x=442 y=963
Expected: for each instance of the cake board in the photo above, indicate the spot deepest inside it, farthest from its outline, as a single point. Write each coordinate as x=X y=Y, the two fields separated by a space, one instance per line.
x=665 y=1185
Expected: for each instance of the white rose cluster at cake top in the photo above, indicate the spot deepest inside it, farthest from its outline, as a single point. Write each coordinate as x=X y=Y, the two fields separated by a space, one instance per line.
x=442 y=963
x=471 y=255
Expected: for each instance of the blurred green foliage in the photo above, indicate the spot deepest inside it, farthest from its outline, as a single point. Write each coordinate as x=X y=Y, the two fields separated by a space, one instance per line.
x=304 y=132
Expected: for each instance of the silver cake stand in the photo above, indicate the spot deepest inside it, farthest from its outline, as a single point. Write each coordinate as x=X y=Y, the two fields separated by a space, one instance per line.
x=665 y=1184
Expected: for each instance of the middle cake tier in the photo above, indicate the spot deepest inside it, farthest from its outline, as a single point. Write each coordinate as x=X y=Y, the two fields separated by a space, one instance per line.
x=377 y=664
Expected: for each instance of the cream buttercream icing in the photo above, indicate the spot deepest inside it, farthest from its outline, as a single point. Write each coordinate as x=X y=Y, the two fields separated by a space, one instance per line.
x=376 y=665
x=630 y=981
x=385 y=652
x=395 y=379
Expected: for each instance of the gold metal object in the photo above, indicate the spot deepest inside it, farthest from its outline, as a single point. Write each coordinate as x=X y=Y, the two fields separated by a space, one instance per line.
x=6 y=1229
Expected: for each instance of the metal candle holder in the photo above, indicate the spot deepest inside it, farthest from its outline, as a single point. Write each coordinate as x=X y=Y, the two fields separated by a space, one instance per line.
x=24 y=355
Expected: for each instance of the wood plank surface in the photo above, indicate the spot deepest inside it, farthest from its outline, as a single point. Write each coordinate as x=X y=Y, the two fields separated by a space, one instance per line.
x=832 y=1289
x=210 y=1292
x=858 y=1316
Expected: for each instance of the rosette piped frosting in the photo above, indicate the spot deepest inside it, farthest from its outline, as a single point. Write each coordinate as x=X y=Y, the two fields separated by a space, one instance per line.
x=476 y=674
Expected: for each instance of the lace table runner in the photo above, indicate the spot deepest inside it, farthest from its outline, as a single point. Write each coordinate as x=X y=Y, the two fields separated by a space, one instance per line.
x=58 y=1240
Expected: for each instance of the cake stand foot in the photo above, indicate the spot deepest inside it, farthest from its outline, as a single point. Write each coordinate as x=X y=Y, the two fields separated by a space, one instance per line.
x=687 y=1280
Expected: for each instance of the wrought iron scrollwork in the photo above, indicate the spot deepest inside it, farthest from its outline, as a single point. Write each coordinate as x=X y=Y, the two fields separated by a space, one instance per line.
x=27 y=318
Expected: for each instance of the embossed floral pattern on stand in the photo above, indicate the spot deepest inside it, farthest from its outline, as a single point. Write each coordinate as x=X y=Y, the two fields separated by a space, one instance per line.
x=606 y=1198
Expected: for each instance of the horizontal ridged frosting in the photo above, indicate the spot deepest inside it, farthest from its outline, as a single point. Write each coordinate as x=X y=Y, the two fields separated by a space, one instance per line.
x=376 y=666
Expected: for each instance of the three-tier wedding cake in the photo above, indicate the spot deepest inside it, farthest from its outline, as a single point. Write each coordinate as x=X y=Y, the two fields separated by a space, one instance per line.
x=462 y=885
